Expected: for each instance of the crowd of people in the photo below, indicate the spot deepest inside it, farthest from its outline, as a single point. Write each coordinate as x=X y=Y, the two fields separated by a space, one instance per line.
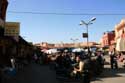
x=81 y=64
x=77 y=65
x=116 y=57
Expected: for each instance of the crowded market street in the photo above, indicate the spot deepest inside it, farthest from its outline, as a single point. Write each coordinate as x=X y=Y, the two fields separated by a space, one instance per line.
x=62 y=41
x=35 y=73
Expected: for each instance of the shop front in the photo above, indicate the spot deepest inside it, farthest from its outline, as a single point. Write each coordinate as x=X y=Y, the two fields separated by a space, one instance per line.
x=7 y=50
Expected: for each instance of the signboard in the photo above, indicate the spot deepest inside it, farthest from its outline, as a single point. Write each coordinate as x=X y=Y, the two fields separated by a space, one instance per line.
x=85 y=35
x=12 y=29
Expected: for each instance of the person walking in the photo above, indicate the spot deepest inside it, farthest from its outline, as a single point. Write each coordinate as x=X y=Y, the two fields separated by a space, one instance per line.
x=113 y=59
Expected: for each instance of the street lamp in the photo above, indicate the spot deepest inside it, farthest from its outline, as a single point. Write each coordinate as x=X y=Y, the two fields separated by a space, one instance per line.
x=87 y=24
x=74 y=40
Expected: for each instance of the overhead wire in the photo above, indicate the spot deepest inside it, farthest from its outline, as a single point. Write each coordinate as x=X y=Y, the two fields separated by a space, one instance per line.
x=54 y=13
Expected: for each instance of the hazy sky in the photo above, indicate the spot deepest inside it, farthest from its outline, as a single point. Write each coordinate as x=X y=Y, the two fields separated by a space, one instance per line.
x=64 y=25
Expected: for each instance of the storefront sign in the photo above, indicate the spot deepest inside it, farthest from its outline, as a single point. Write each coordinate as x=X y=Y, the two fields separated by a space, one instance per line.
x=12 y=29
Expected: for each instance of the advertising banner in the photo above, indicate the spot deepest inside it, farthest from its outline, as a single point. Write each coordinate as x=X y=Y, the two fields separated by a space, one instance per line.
x=12 y=29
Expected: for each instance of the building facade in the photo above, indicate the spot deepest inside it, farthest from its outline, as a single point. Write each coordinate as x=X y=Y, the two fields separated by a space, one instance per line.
x=107 y=39
x=3 y=8
x=120 y=36
x=64 y=45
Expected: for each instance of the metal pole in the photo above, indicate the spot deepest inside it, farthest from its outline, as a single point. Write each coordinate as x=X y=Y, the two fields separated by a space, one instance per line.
x=87 y=38
x=73 y=40
x=87 y=24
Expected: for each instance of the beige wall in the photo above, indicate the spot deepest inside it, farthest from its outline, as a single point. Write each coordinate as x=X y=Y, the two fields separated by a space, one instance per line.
x=120 y=42
x=118 y=28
